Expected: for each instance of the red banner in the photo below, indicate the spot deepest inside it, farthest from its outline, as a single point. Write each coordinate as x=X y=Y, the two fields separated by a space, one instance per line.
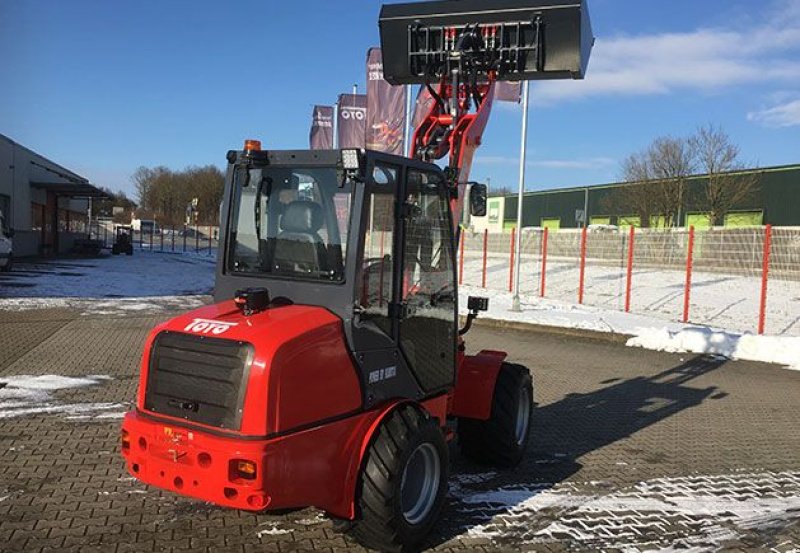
x=505 y=91
x=351 y=120
x=321 y=136
x=386 y=108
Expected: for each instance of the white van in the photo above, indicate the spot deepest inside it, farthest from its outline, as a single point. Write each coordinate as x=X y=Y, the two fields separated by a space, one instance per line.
x=6 y=246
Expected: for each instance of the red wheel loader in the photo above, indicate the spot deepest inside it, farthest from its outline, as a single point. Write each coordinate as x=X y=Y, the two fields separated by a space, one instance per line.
x=331 y=371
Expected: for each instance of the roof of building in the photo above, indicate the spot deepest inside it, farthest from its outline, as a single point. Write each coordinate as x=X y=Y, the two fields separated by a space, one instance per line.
x=76 y=185
x=773 y=169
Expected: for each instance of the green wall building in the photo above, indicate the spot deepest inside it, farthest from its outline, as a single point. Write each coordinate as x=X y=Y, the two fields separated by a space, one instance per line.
x=774 y=199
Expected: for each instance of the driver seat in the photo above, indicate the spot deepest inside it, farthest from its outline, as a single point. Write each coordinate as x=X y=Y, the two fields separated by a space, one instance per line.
x=298 y=247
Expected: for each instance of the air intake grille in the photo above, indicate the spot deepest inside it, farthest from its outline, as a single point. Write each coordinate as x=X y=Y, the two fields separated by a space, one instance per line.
x=198 y=379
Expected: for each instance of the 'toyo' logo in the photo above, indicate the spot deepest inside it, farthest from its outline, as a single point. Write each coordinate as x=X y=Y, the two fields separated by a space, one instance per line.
x=207 y=326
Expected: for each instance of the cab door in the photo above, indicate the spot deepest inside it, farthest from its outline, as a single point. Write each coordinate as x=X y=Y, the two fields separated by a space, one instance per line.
x=428 y=320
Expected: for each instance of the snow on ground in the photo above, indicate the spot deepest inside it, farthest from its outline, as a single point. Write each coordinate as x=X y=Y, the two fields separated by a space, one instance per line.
x=645 y=332
x=145 y=282
x=697 y=512
x=22 y=395
x=723 y=300
x=144 y=274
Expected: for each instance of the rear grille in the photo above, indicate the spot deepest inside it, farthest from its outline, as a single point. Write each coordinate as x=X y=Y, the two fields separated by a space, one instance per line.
x=199 y=379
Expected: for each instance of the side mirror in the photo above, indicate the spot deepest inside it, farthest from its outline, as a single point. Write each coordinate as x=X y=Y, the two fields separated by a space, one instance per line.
x=477 y=199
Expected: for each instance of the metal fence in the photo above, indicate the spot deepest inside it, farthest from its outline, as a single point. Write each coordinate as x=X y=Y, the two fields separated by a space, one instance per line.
x=184 y=239
x=742 y=279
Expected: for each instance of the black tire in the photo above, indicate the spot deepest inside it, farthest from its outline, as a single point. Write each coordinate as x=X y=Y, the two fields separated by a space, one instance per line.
x=384 y=521
x=9 y=264
x=500 y=441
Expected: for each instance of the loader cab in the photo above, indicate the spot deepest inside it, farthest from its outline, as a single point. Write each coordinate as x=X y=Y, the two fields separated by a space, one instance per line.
x=368 y=236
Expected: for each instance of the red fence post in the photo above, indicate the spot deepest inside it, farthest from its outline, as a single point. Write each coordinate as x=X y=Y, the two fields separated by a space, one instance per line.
x=544 y=262
x=762 y=314
x=511 y=265
x=462 y=236
x=629 y=279
x=583 y=265
x=485 y=247
x=688 y=288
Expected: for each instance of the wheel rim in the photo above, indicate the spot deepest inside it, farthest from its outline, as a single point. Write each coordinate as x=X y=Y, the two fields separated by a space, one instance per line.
x=523 y=415
x=420 y=484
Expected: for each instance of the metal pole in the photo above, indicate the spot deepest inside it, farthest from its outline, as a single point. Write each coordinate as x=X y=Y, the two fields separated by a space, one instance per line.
x=336 y=126
x=515 y=306
x=586 y=207
x=407 y=135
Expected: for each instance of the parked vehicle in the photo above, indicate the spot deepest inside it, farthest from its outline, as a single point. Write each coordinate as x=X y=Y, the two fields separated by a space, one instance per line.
x=123 y=240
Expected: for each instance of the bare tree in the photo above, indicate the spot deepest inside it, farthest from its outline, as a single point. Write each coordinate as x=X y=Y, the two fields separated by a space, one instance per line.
x=657 y=178
x=727 y=187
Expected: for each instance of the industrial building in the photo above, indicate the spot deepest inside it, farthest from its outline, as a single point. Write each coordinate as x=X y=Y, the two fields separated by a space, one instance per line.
x=45 y=204
x=774 y=200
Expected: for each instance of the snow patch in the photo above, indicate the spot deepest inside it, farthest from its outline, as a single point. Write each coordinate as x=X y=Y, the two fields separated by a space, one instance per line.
x=782 y=350
x=23 y=395
x=274 y=530
x=693 y=512
x=644 y=332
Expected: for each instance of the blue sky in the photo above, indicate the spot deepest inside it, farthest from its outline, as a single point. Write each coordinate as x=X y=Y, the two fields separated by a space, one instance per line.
x=104 y=87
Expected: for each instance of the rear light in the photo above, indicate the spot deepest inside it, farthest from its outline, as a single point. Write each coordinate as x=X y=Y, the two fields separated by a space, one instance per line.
x=252 y=145
x=242 y=469
x=126 y=441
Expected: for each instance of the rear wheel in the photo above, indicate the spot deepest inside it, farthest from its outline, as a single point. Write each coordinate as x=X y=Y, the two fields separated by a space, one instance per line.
x=403 y=482
x=503 y=438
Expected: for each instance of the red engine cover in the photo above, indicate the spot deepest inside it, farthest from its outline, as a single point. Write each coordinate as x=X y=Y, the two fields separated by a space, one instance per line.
x=301 y=375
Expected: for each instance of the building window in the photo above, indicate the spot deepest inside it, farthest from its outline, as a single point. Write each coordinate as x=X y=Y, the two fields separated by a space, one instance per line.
x=629 y=221
x=552 y=223
x=658 y=221
x=37 y=216
x=698 y=220
x=741 y=219
x=600 y=220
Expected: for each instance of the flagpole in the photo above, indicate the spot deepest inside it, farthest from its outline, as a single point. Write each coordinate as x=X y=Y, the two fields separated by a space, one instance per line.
x=515 y=304
x=407 y=132
x=336 y=125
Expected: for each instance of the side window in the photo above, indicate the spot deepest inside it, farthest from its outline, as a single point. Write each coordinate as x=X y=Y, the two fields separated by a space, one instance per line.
x=375 y=275
x=428 y=253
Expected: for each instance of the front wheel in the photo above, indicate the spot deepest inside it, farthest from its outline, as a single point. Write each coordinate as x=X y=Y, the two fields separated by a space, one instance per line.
x=503 y=438
x=403 y=482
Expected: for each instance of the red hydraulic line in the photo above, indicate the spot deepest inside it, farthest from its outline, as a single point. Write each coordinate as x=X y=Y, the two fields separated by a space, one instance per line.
x=688 y=288
x=463 y=236
x=544 y=262
x=485 y=246
x=511 y=265
x=762 y=314
x=583 y=265
x=629 y=279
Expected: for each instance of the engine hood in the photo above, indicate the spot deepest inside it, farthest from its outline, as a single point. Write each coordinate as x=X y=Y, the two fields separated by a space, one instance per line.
x=299 y=357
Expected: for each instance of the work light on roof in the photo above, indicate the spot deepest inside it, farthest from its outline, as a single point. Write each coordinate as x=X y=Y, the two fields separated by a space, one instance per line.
x=350 y=160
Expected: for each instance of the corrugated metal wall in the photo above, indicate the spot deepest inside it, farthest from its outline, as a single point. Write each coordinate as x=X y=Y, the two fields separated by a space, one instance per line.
x=778 y=196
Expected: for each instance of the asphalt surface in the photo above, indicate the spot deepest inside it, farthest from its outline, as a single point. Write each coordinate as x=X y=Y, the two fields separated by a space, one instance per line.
x=631 y=450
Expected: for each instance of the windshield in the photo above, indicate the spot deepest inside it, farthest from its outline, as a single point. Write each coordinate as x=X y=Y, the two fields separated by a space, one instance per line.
x=290 y=222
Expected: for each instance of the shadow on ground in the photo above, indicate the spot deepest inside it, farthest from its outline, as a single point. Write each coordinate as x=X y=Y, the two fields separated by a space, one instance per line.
x=574 y=426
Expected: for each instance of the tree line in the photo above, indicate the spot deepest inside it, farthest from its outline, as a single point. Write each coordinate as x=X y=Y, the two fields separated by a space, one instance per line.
x=659 y=175
x=170 y=197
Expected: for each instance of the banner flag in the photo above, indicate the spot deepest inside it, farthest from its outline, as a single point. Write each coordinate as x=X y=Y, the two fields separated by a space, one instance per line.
x=351 y=120
x=386 y=108
x=321 y=136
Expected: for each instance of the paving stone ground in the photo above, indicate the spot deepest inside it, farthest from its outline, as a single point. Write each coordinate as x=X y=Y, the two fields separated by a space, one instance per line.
x=632 y=450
